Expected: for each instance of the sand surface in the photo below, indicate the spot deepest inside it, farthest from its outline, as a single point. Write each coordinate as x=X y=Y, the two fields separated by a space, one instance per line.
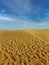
x=27 y=47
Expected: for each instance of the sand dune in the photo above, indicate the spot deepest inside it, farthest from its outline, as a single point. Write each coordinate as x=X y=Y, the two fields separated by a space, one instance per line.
x=27 y=47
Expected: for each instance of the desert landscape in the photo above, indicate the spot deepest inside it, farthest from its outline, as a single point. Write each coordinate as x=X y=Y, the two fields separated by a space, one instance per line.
x=24 y=47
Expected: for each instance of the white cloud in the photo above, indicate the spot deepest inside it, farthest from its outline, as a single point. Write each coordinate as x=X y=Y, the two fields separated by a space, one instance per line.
x=21 y=24
x=6 y=18
x=43 y=23
x=18 y=6
x=3 y=11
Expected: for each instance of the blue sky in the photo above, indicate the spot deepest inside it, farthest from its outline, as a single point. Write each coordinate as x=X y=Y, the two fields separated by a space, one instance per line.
x=24 y=14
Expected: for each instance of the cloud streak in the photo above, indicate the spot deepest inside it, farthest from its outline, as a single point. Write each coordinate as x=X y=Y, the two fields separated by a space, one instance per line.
x=15 y=23
x=6 y=18
x=26 y=14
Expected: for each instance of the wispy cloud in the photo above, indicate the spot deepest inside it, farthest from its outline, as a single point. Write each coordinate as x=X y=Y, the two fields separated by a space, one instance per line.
x=18 y=6
x=28 y=14
x=44 y=23
x=15 y=23
x=5 y=18
x=3 y=11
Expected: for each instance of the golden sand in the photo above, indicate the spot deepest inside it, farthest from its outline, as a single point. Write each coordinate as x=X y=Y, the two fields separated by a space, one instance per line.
x=28 y=47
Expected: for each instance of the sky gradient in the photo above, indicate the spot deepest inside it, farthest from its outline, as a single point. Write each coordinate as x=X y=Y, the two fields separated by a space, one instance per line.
x=24 y=14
